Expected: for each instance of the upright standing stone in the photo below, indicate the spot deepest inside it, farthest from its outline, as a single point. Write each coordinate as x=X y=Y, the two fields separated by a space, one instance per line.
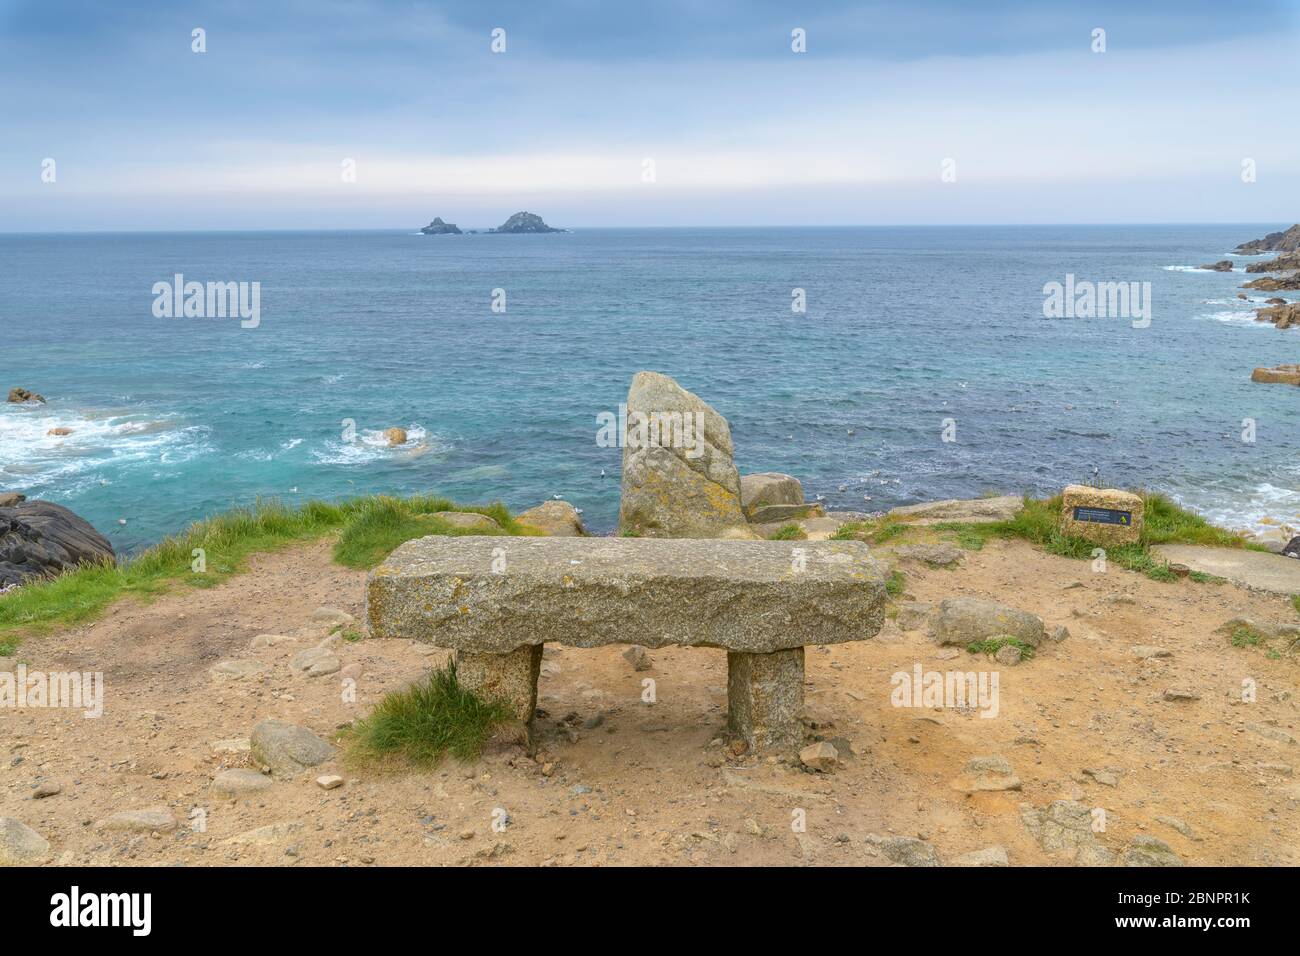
x=765 y=698
x=509 y=677
x=679 y=480
x=1106 y=516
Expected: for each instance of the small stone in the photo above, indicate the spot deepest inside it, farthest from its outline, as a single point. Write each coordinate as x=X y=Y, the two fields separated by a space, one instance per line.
x=315 y=662
x=1180 y=693
x=20 y=844
x=987 y=774
x=1008 y=655
x=1149 y=651
x=1058 y=633
x=287 y=748
x=1103 y=777
x=989 y=856
x=332 y=615
x=270 y=640
x=264 y=836
x=1271 y=733
x=1178 y=825
x=329 y=781
x=235 y=669
x=636 y=656
x=1148 y=851
x=820 y=757
x=909 y=851
x=232 y=745
x=239 y=783
x=47 y=789
x=138 y=821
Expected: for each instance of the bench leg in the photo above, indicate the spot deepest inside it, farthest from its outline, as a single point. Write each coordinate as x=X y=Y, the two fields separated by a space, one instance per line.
x=765 y=698
x=511 y=677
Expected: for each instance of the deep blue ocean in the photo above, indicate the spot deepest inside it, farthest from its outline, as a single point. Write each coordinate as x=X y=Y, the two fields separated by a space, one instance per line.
x=177 y=418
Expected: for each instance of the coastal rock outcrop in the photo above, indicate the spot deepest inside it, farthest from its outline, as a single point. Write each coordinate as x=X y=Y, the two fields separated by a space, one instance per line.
x=1286 y=262
x=40 y=538
x=1287 y=281
x=395 y=436
x=1281 y=374
x=440 y=228
x=1223 y=265
x=1288 y=241
x=556 y=519
x=679 y=479
x=1284 y=316
x=18 y=395
x=524 y=222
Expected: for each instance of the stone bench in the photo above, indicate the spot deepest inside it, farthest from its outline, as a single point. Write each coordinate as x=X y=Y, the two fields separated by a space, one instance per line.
x=495 y=601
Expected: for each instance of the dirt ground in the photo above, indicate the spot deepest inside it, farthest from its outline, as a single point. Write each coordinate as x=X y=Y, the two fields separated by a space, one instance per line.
x=626 y=782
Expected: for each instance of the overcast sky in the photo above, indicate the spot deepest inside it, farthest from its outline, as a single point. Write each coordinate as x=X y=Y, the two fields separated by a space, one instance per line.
x=255 y=132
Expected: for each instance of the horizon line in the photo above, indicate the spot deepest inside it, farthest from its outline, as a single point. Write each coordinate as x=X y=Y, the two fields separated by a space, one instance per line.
x=485 y=230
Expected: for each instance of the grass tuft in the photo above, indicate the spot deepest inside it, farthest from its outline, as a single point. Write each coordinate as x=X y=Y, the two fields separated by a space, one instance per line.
x=424 y=723
x=209 y=551
x=991 y=645
x=788 y=532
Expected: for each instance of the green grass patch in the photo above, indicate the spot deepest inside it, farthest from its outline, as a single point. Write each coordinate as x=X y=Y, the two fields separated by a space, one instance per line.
x=381 y=523
x=1163 y=523
x=1295 y=602
x=1246 y=636
x=991 y=645
x=876 y=532
x=424 y=723
x=210 y=551
x=788 y=532
x=895 y=583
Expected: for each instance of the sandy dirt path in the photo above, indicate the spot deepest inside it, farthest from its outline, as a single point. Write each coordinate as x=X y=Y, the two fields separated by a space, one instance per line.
x=619 y=781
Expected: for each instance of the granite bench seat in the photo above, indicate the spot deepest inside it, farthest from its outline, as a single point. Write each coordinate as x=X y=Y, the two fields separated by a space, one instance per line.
x=495 y=601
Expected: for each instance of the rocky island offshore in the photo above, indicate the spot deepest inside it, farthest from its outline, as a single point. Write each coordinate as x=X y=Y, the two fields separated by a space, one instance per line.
x=521 y=223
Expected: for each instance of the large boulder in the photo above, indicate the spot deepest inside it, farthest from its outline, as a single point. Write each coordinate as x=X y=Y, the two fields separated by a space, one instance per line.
x=679 y=479
x=19 y=395
x=40 y=538
x=965 y=620
x=769 y=488
x=556 y=519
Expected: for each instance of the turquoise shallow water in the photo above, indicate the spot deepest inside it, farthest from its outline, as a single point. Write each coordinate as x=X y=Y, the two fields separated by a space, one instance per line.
x=174 y=419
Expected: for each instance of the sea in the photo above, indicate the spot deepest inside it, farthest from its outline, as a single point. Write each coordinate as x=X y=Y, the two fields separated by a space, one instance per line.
x=881 y=365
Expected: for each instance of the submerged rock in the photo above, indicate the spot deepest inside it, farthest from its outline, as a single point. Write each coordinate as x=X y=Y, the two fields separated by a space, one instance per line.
x=1223 y=265
x=40 y=539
